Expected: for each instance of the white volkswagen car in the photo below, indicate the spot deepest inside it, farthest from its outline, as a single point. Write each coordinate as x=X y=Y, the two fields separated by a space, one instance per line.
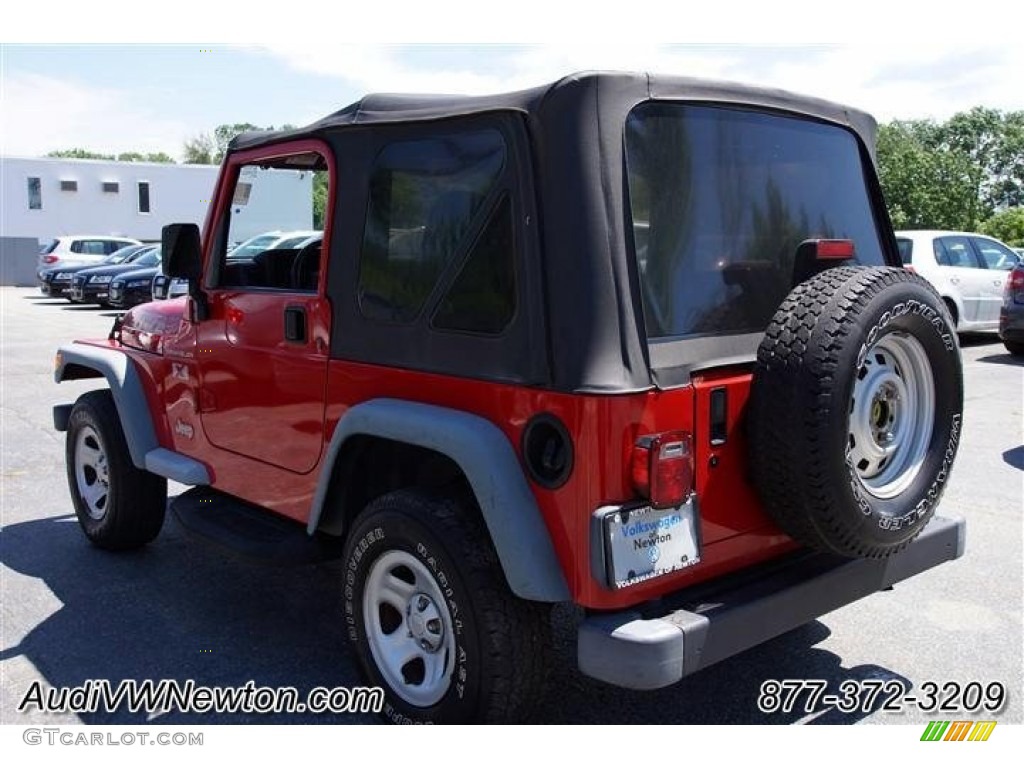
x=967 y=269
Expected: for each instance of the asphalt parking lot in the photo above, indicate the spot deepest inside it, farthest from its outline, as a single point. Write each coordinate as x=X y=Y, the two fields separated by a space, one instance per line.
x=182 y=610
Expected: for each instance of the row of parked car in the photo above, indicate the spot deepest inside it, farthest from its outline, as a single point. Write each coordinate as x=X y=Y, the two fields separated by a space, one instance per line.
x=980 y=279
x=120 y=272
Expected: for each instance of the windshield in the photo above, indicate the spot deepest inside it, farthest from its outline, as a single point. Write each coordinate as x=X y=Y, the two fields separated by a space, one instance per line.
x=247 y=250
x=721 y=198
x=148 y=259
x=122 y=254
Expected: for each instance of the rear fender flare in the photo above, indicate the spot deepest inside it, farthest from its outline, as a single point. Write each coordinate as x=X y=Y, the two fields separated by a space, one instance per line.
x=486 y=457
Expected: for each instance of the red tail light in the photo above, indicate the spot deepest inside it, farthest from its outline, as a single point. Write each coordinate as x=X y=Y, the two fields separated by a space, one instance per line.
x=1015 y=286
x=662 y=468
x=50 y=259
x=835 y=249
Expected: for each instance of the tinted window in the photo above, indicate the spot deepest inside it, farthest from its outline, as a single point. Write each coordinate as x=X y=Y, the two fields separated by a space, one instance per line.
x=720 y=200
x=994 y=255
x=92 y=246
x=425 y=197
x=906 y=247
x=482 y=298
x=68 y=185
x=35 y=193
x=955 y=252
x=143 y=197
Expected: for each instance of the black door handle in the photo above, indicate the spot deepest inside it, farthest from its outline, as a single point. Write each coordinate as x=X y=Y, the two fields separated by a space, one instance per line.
x=295 y=324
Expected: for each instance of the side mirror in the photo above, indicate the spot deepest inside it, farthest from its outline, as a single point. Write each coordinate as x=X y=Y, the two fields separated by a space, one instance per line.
x=182 y=256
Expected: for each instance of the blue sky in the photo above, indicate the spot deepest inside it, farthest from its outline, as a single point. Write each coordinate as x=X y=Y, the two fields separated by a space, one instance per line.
x=152 y=97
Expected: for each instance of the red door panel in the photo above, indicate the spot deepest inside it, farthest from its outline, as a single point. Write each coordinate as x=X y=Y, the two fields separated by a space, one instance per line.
x=262 y=395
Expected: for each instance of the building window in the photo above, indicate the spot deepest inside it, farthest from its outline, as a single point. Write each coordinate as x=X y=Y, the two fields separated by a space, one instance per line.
x=143 y=197
x=111 y=186
x=68 y=185
x=35 y=193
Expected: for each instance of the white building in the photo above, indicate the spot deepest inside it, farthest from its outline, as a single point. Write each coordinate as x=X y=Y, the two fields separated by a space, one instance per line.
x=47 y=197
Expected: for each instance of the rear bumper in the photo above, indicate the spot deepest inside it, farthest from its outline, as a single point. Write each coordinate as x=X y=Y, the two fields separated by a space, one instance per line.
x=1011 y=324
x=699 y=627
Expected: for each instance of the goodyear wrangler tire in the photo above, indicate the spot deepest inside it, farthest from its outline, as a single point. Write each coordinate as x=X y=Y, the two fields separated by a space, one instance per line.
x=432 y=620
x=856 y=410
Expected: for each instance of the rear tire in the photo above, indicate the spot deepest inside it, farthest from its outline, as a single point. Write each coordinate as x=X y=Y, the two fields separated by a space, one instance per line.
x=119 y=506
x=1015 y=348
x=432 y=619
x=856 y=410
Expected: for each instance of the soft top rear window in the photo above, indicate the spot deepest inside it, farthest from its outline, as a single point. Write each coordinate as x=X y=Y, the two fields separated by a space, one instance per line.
x=720 y=199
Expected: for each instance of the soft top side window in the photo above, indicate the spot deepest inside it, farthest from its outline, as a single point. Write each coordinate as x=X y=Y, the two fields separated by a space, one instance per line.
x=426 y=206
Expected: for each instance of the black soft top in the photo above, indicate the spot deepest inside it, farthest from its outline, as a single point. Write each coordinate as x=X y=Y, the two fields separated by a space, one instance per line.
x=576 y=132
x=613 y=94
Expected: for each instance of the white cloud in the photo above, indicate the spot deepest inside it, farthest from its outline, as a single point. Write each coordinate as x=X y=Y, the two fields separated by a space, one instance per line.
x=42 y=113
x=887 y=80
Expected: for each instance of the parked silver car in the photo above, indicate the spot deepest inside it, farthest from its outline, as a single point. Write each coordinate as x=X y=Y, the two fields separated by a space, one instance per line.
x=75 y=250
x=968 y=270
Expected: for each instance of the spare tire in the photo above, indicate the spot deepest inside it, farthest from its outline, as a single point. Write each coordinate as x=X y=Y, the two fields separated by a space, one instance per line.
x=856 y=410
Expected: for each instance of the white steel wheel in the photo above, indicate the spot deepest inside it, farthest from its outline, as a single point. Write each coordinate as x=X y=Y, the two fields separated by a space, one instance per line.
x=892 y=415
x=92 y=473
x=409 y=628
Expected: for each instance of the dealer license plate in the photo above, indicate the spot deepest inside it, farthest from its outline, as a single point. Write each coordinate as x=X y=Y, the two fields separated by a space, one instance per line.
x=644 y=543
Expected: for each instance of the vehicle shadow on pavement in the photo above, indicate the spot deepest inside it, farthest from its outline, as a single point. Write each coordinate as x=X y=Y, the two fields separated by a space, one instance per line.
x=177 y=610
x=1005 y=359
x=726 y=693
x=184 y=611
x=970 y=339
x=1015 y=457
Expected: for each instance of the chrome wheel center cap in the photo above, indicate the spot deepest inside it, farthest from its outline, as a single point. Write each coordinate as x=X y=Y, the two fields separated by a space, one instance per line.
x=424 y=620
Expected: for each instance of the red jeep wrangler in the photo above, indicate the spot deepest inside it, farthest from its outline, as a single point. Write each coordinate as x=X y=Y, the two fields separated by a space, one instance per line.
x=639 y=343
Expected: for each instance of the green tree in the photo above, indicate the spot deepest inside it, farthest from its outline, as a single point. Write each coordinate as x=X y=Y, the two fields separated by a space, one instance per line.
x=952 y=175
x=148 y=157
x=319 y=198
x=201 y=149
x=79 y=154
x=210 y=148
x=924 y=188
x=1006 y=225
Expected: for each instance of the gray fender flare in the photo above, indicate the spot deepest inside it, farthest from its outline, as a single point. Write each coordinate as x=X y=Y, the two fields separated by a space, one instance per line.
x=490 y=464
x=83 y=361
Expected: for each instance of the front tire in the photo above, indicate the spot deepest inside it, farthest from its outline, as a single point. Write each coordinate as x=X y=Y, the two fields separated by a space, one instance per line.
x=118 y=505
x=432 y=620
